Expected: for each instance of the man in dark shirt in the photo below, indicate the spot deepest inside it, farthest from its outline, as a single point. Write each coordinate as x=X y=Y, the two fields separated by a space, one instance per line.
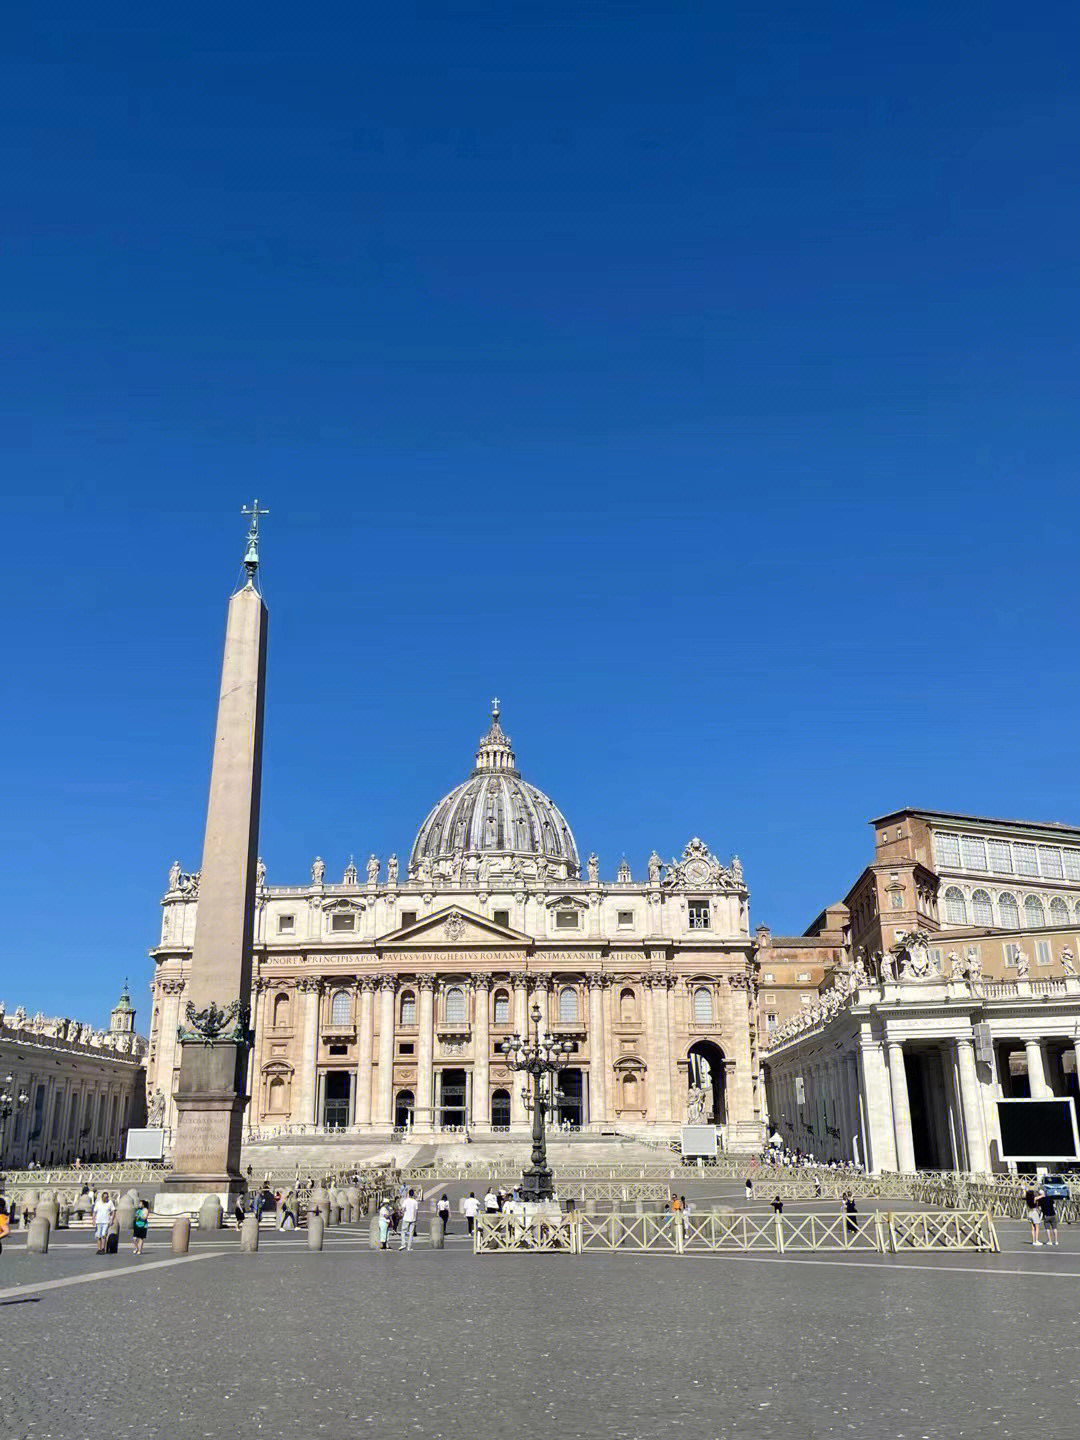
x=1049 y=1217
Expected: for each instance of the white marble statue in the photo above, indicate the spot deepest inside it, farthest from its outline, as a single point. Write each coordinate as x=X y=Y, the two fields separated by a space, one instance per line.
x=1023 y=965
x=593 y=866
x=392 y=870
x=373 y=866
x=318 y=871
x=1068 y=961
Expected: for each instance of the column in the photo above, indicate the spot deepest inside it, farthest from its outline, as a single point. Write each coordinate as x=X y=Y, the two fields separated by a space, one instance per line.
x=978 y=1158
x=481 y=1077
x=1036 y=1064
x=877 y=1102
x=854 y=1144
x=905 y=1144
x=518 y=1115
x=384 y=1110
x=304 y=1110
x=425 y=1051
x=543 y=986
x=364 y=1048
x=164 y=1075
x=661 y=993
x=740 y=1090
x=652 y=1062
x=597 y=1058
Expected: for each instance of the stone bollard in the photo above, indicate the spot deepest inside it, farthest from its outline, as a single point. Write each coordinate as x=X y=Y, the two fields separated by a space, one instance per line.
x=437 y=1234
x=65 y=1217
x=373 y=1232
x=30 y=1199
x=352 y=1196
x=372 y=1207
x=181 y=1235
x=314 y=1232
x=326 y=1210
x=210 y=1213
x=49 y=1210
x=639 y=1206
x=48 y=1194
x=125 y=1216
x=37 y=1240
x=590 y=1206
x=249 y=1234
x=614 y=1229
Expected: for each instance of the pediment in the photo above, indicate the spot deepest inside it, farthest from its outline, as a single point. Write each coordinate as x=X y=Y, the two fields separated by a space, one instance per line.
x=455 y=927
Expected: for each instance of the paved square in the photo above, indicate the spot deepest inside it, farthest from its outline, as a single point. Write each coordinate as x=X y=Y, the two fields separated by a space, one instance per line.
x=452 y=1346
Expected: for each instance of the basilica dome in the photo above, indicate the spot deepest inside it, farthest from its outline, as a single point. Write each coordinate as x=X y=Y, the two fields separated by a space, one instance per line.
x=495 y=823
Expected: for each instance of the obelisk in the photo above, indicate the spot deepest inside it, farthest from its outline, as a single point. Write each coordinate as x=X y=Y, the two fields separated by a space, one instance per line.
x=215 y=1033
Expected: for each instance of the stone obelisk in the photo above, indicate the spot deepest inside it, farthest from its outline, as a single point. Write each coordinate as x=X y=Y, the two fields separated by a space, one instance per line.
x=215 y=1034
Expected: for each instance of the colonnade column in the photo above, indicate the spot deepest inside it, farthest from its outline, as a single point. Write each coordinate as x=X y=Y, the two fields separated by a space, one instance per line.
x=171 y=991
x=364 y=1046
x=304 y=1113
x=384 y=1109
x=978 y=1158
x=425 y=1051
x=481 y=1093
x=879 y=1120
x=518 y=1115
x=657 y=1000
x=905 y=1144
x=1036 y=1069
x=597 y=1057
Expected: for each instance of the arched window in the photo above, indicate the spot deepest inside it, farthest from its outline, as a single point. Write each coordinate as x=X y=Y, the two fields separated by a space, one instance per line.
x=1059 y=912
x=955 y=906
x=1078 y=912
x=568 y=1009
x=627 y=1007
x=403 y=1109
x=408 y=1008
x=500 y=1110
x=455 y=1005
x=502 y=1007
x=702 y=1006
x=281 y=1011
x=341 y=1008
x=275 y=1096
x=1034 y=915
x=982 y=911
x=1008 y=911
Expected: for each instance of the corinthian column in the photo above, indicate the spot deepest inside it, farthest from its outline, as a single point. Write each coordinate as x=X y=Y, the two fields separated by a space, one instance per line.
x=482 y=1052
x=364 y=1046
x=304 y=1112
x=597 y=1058
x=171 y=991
x=521 y=1025
x=384 y=1110
x=425 y=1055
x=905 y=1144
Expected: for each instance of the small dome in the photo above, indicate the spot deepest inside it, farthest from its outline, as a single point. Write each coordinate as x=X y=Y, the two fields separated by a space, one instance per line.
x=494 y=823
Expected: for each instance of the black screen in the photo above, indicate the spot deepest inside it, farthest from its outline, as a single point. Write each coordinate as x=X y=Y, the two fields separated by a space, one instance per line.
x=1037 y=1130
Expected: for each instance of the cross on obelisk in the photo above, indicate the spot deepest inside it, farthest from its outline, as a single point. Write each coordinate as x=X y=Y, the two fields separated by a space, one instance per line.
x=211 y=1094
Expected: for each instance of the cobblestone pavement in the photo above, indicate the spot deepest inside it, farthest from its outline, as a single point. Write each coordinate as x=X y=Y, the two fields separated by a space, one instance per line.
x=452 y=1346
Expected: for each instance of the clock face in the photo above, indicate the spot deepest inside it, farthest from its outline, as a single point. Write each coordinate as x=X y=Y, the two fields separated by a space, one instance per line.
x=696 y=871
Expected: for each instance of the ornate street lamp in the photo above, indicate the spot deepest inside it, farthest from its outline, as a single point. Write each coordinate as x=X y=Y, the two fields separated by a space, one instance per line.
x=542 y=1058
x=8 y=1102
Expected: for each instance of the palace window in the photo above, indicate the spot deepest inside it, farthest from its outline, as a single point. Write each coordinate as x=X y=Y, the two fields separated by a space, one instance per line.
x=769 y=978
x=1042 y=952
x=1000 y=857
x=1012 y=954
x=626 y=919
x=806 y=999
x=341 y=1008
x=1072 y=864
x=502 y=1007
x=1008 y=911
x=502 y=917
x=455 y=1006
x=566 y=919
x=947 y=851
x=1024 y=856
x=982 y=911
x=972 y=852
x=406 y=1047
x=408 y=1008
x=955 y=906
x=343 y=922
x=699 y=915
x=703 y=1012
x=286 y=924
x=803 y=977
x=1034 y=915
x=1050 y=862
x=1059 y=912
x=568 y=1006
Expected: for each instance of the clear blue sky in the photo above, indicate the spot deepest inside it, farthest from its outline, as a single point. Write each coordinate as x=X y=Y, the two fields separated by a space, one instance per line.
x=700 y=379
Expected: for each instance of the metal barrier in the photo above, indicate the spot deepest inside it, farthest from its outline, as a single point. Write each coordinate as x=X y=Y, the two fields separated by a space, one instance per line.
x=888 y=1232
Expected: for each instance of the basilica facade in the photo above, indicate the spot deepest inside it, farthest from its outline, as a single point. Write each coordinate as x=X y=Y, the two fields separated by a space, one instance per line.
x=380 y=1002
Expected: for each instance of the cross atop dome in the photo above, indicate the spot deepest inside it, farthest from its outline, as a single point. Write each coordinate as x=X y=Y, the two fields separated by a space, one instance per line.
x=495 y=752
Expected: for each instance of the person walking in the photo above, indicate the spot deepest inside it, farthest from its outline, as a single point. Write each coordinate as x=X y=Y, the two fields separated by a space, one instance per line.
x=386 y=1216
x=1034 y=1213
x=5 y=1221
x=847 y=1205
x=140 y=1226
x=777 y=1205
x=104 y=1210
x=471 y=1209
x=491 y=1202
x=410 y=1207
x=749 y=1188
x=442 y=1209
x=1049 y=1217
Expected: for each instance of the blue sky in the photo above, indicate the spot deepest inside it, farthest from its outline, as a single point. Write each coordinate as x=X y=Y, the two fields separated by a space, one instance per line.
x=701 y=381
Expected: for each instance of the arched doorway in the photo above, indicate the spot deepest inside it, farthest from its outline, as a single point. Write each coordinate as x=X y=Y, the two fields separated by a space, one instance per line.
x=500 y=1110
x=451 y=1091
x=403 y=1109
x=569 y=1099
x=705 y=1063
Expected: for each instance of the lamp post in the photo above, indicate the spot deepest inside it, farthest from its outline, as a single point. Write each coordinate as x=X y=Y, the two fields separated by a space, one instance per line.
x=8 y=1102
x=540 y=1058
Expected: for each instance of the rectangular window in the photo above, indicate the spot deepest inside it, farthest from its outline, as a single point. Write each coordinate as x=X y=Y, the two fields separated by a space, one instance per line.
x=566 y=919
x=339 y=1049
x=803 y=977
x=626 y=919
x=1050 y=862
x=342 y=922
x=806 y=999
x=286 y=924
x=407 y=1047
x=769 y=978
x=1072 y=864
x=770 y=999
x=408 y=917
x=1024 y=855
x=1012 y=953
x=936 y=959
x=1000 y=857
x=770 y=1019
x=699 y=916
x=972 y=852
x=502 y=917
x=947 y=850
x=1042 y=952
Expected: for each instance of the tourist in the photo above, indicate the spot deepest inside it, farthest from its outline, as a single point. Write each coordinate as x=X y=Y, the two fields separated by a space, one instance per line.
x=777 y=1205
x=749 y=1188
x=817 y=1187
x=442 y=1209
x=104 y=1210
x=239 y=1211
x=5 y=1220
x=491 y=1202
x=140 y=1226
x=471 y=1209
x=847 y=1205
x=677 y=1203
x=409 y=1208
x=386 y=1217
x=1049 y=1217
x=1034 y=1213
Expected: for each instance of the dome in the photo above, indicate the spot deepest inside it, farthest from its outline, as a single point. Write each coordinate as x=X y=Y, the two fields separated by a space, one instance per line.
x=495 y=823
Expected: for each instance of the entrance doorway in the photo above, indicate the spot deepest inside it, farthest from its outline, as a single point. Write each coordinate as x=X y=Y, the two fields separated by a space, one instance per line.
x=569 y=1099
x=705 y=1062
x=336 y=1093
x=500 y=1110
x=403 y=1110
x=452 y=1106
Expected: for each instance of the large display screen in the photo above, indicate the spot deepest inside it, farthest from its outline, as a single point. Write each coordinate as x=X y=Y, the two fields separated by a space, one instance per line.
x=1038 y=1129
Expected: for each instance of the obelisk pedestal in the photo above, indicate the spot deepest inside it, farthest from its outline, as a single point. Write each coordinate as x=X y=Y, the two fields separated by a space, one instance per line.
x=211 y=1094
